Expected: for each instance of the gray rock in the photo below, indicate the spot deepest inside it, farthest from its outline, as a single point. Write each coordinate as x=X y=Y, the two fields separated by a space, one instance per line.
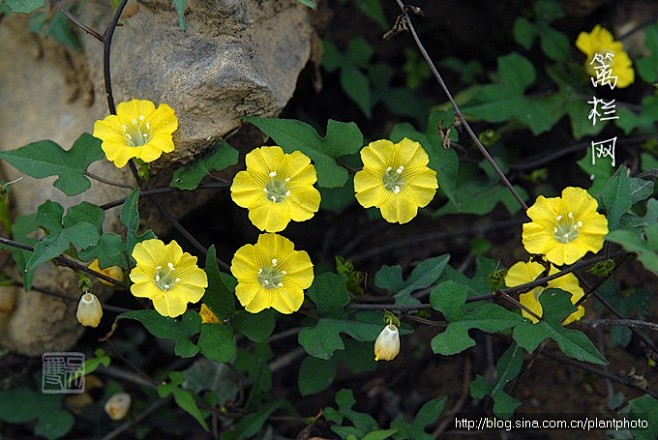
x=234 y=58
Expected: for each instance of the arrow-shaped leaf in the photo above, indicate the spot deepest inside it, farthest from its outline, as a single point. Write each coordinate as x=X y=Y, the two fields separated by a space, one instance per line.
x=556 y=305
x=342 y=139
x=46 y=158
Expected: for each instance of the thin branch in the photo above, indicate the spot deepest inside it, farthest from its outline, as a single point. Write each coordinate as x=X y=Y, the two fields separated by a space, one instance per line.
x=50 y=292
x=106 y=181
x=631 y=323
x=66 y=262
x=107 y=45
x=163 y=190
x=458 y=112
x=76 y=21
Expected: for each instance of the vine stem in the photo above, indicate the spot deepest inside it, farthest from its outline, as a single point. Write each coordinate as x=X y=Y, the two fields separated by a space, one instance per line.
x=59 y=6
x=458 y=112
x=107 y=45
x=63 y=261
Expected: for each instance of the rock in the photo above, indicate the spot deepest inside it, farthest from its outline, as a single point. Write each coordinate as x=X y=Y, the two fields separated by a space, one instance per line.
x=234 y=58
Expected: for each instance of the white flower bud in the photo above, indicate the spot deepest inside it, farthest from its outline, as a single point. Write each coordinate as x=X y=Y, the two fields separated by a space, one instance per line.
x=90 y=310
x=118 y=405
x=387 y=345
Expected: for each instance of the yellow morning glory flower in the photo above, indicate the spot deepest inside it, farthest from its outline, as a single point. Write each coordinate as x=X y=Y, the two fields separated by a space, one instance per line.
x=564 y=228
x=396 y=179
x=138 y=130
x=522 y=273
x=113 y=272
x=167 y=276
x=600 y=43
x=276 y=188
x=271 y=273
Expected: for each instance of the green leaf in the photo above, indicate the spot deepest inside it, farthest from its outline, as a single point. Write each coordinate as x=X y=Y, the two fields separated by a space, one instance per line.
x=645 y=408
x=548 y=10
x=578 y=111
x=423 y=275
x=216 y=342
x=507 y=368
x=46 y=158
x=647 y=68
x=250 y=424
x=524 y=32
x=256 y=326
x=219 y=295
x=130 y=219
x=449 y=298
x=329 y=293
x=322 y=340
x=615 y=197
x=362 y=421
x=380 y=434
x=21 y=405
x=598 y=170
x=100 y=358
x=49 y=217
x=292 y=135
x=84 y=212
x=556 y=305
x=427 y=415
x=25 y=6
x=220 y=157
x=169 y=328
x=477 y=198
x=643 y=120
x=183 y=398
x=645 y=247
x=357 y=87
x=217 y=378
x=110 y=251
x=180 y=10
x=81 y=235
x=254 y=362
x=373 y=10
x=315 y=375
x=554 y=44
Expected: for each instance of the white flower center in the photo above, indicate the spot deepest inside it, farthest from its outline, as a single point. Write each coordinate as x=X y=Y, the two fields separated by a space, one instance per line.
x=566 y=228
x=165 y=277
x=271 y=276
x=137 y=132
x=393 y=180
x=276 y=189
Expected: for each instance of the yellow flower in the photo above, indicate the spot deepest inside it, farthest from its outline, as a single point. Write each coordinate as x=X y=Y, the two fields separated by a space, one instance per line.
x=271 y=273
x=207 y=316
x=611 y=52
x=167 y=276
x=522 y=273
x=138 y=130
x=118 y=405
x=395 y=178
x=113 y=272
x=387 y=344
x=564 y=228
x=276 y=188
x=90 y=310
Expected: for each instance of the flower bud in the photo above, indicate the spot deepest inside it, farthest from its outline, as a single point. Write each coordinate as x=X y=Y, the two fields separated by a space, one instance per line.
x=118 y=405
x=113 y=272
x=207 y=316
x=387 y=345
x=90 y=310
